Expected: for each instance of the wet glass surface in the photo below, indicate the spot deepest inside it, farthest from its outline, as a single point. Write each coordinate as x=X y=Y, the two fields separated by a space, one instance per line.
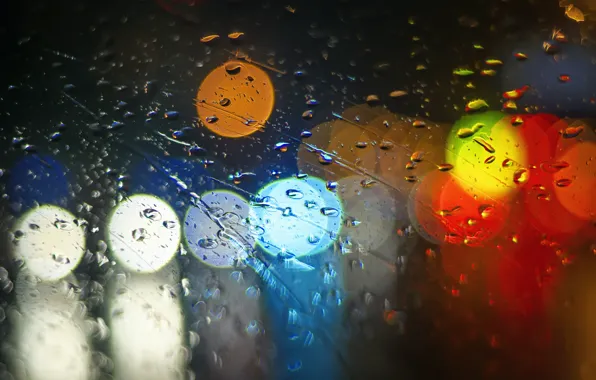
x=210 y=189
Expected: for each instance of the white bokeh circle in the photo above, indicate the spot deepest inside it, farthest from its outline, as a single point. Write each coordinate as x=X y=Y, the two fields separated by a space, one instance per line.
x=49 y=242
x=143 y=233
x=207 y=240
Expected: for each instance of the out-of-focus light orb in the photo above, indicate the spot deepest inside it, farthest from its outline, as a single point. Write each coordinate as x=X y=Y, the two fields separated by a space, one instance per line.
x=372 y=215
x=479 y=147
x=235 y=99
x=297 y=216
x=556 y=206
x=477 y=155
x=444 y=211
x=221 y=236
x=147 y=326
x=143 y=233
x=308 y=159
x=49 y=242
x=356 y=148
x=579 y=154
x=51 y=343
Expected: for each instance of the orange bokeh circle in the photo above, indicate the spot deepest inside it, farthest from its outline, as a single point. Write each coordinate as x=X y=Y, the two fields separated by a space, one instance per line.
x=563 y=212
x=580 y=154
x=235 y=99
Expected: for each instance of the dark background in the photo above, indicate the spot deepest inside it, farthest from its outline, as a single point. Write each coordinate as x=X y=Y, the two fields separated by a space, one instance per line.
x=103 y=36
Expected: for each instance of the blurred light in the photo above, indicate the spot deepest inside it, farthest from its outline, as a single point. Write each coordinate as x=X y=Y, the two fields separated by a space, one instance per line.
x=445 y=211
x=48 y=329
x=49 y=241
x=580 y=154
x=493 y=136
x=235 y=99
x=143 y=233
x=298 y=216
x=221 y=235
x=372 y=215
x=148 y=333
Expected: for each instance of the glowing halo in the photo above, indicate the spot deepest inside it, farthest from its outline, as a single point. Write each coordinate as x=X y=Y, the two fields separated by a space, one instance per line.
x=205 y=237
x=372 y=215
x=235 y=99
x=444 y=211
x=580 y=154
x=49 y=242
x=143 y=233
x=494 y=138
x=297 y=216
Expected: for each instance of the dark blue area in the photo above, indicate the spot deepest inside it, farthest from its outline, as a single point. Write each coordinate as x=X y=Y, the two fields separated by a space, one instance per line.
x=37 y=179
x=147 y=179
x=541 y=72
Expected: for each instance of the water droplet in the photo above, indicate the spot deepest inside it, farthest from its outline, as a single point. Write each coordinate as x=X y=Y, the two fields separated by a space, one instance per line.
x=60 y=258
x=252 y=328
x=225 y=102
x=171 y=115
x=418 y=124
x=571 y=132
x=208 y=243
x=233 y=68
x=553 y=167
x=209 y=38
x=282 y=147
x=325 y=159
x=235 y=35
x=313 y=239
x=287 y=211
x=507 y=163
x=410 y=165
x=312 y=102
x=299 y=73
x=521 y=176
x=169 y=224
x=386 y=145
x=331 y=185
x=329 y=211
x=486 y=211
x=211 y=119
x=116 y=125
x=564 y=182
x=55 y=136
x=33 y=227
x=63 y=225
x=444 y=167
x=543 y=197
x=301 y=175
x=294 y=194
x=372 y=99
x=306 y=134
x=487 y=147
x=368 y=298
x=490 y=160
x=361 y=144
x=294 y=366
x=310 y=204
x=307 y=115
x=253 y=292
x=411 y=178
x=140 y=234
x=367 y=183
x=151 y=214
